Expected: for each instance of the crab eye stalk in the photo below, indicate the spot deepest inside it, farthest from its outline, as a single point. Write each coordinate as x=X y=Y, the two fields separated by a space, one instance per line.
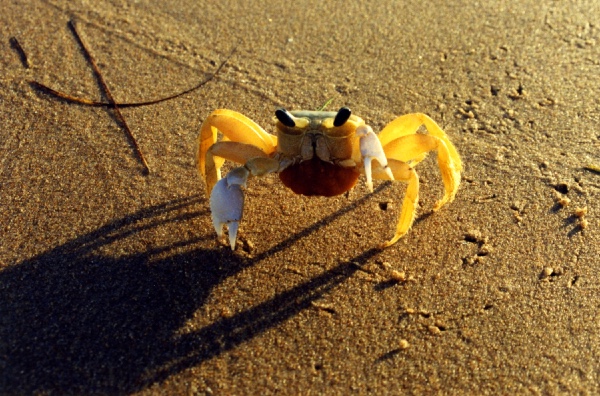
x=342 y=116
x=285 y=117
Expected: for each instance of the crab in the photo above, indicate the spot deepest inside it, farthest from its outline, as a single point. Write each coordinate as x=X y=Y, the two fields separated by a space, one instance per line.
x=319 y=153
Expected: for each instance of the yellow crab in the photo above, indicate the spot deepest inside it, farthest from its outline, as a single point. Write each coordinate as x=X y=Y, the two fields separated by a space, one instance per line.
x=319 y=153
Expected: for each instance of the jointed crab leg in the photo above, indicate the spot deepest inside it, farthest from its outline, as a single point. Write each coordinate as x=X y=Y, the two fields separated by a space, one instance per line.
x=409 y=124
x=404 y=148
x=234 y=126
x=415 y=146
x=403 y=172
x=400 y=141
x=244 y=142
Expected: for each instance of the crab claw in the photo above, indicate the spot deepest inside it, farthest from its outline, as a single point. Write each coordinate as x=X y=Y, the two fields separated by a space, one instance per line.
x=370 y=149
x=227 y=203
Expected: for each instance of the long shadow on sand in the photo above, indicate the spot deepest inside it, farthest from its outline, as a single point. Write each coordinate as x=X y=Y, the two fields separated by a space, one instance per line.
x=75 y=320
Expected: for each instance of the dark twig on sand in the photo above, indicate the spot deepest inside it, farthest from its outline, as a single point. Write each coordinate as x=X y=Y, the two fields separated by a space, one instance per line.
x=112 y=103
x=86 y=102
x=14 y=43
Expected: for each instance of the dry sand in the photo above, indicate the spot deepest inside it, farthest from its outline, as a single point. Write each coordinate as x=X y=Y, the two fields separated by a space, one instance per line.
x=113 y=282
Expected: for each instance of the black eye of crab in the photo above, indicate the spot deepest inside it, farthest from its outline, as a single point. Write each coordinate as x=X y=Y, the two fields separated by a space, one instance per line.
x=342 y=116
x=285 y=117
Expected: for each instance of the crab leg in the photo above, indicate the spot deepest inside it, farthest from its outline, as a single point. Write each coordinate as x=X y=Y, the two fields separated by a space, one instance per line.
x=408 y=147
x=370 y=149
x=234 y=126
x=409 y=124
x=402 y=172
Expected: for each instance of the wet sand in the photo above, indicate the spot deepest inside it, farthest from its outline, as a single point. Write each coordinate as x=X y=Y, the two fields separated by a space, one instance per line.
x=113 y=282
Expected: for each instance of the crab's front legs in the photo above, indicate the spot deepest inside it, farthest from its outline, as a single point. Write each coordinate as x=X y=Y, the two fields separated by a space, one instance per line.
x=370 y=149
x=227 y=196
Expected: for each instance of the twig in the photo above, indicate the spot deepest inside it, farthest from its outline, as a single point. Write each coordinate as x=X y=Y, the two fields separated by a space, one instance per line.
x=112 y=104
x=14 y=43
x=325 y=104
x=87 y=102
x=593 y=168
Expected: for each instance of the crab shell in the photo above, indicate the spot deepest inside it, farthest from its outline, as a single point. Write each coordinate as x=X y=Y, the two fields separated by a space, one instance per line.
x=323 y=156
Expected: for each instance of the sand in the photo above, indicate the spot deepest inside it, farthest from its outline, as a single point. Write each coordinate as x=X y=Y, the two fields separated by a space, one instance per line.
x=112 y=281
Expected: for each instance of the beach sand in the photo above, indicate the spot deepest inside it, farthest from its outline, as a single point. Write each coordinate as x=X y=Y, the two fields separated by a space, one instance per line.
x=113 y=281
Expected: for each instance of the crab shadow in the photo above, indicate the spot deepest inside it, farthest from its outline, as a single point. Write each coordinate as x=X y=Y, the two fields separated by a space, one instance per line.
x=79 y=320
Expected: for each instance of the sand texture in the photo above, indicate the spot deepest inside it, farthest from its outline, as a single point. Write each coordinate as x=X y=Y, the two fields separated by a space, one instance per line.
x=112 y=281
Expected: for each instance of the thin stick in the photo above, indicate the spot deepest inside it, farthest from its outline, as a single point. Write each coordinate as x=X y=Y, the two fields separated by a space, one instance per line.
x=86 y=102
x=325 y=104
x=592 y=167
x=20 y=51
x=111 y=100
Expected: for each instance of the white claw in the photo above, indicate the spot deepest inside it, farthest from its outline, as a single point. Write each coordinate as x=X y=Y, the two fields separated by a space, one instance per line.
x=370 y=149
x=233 y=229
x=227 y=203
